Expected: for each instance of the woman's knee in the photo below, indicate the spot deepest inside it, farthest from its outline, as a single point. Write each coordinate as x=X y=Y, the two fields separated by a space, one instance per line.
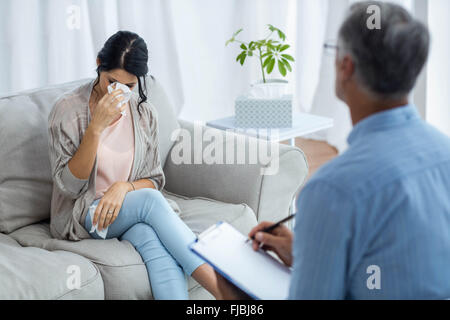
x=150 y=195
x=153 y=203
x=139 y=234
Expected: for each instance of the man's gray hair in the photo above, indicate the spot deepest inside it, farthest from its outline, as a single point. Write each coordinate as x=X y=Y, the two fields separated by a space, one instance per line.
x=387 y=60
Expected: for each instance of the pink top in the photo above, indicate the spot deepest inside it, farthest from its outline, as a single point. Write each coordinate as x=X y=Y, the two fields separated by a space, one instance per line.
x=115 y=154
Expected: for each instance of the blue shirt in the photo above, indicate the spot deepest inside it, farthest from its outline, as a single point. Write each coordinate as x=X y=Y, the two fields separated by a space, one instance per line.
x=378 y=216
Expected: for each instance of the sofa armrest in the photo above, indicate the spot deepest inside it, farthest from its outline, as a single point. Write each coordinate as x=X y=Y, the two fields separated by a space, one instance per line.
x=269 y=195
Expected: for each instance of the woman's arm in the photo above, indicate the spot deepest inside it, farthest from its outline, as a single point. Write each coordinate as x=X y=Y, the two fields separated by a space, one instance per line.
x=113 y=199
x=82 y=162
x=141 y=184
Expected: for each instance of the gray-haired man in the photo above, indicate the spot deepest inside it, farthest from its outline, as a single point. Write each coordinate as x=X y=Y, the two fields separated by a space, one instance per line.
x=375 y=222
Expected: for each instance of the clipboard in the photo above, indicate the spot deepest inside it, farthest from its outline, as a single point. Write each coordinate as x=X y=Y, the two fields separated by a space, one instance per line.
x=256 y=273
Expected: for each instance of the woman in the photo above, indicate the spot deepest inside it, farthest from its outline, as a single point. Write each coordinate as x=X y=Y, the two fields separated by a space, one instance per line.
x=102 y=158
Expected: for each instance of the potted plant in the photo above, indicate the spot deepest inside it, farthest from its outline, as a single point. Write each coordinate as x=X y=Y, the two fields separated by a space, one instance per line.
x=270 y=52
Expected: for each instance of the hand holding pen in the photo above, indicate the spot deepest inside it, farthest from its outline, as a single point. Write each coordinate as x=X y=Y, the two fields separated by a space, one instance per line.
x=274 y=237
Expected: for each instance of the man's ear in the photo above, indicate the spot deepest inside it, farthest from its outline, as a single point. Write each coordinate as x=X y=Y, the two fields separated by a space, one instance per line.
x=347 y=67
x=98 y=62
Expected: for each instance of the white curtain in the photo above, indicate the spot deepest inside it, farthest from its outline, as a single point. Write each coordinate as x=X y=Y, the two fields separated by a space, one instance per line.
x=438 y=75
x=186 y=40
x=325 y=102
x=40 y=44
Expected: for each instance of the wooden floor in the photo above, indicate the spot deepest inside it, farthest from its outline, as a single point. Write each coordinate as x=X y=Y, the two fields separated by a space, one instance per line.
x=317 y=153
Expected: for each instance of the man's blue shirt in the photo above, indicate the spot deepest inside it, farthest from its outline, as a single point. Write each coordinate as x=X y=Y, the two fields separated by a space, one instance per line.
x=378 y=215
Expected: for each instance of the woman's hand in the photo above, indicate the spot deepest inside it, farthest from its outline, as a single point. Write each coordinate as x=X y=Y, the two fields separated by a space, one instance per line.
x=106 y=110
x=110 y=202
x=279 y=241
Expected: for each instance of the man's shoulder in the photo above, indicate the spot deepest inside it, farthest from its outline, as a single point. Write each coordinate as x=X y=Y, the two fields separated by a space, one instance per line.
x=379 y=161
x=340 y=171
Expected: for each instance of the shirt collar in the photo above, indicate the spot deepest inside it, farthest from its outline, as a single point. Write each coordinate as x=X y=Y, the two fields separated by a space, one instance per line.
x=382 y=121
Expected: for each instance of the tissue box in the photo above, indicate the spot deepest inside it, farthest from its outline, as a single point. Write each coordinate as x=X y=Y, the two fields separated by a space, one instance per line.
x=263 y=113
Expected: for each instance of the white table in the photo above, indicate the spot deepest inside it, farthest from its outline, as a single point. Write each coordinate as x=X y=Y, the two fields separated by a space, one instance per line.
x=302 y=125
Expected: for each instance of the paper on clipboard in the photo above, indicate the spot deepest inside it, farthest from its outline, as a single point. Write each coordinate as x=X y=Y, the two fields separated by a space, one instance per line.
x=257 y=273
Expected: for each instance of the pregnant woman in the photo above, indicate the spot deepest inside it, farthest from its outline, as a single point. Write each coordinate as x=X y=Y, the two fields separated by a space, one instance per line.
x=101 y=157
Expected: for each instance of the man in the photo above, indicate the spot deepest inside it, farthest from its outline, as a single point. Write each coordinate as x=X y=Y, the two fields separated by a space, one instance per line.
x=375 y=222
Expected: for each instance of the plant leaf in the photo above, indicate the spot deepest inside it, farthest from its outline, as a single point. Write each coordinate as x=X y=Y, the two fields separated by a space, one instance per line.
x=266 y=62
x=284 y=47
x=237 y=32
x=282 y=68
x=287 y=65
x=281 y=35
x=270 y=66
x=229 y=41
x=239 y=56
x=243 y=58
x=288 y=57
x=243 y=47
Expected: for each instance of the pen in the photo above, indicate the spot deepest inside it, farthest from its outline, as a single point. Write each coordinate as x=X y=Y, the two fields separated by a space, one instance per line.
x=276 y=225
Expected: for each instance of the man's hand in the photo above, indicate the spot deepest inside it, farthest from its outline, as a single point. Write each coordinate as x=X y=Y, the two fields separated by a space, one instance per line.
x=109 y=206
x=279 y=241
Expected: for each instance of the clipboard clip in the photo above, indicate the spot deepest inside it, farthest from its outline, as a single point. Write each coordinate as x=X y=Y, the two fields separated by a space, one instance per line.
x=209 y=231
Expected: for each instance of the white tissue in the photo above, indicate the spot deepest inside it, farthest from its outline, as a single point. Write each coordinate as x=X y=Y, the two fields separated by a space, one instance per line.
x=126 y=93
x=101 y=233
x=271 y=90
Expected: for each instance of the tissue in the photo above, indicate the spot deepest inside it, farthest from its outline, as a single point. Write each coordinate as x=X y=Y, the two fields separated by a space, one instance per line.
x=94 y=228
x=126 y=93
x=270 y=90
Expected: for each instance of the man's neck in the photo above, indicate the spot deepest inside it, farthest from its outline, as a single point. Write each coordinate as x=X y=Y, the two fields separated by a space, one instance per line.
x=365 y=107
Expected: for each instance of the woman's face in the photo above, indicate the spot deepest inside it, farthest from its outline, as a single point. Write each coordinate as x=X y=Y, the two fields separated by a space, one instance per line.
x=116 y=75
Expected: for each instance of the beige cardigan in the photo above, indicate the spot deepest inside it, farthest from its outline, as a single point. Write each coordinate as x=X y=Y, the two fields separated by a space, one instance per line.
x=67 y=123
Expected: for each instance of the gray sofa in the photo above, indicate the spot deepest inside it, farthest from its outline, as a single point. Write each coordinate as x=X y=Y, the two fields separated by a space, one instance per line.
x=33 y=265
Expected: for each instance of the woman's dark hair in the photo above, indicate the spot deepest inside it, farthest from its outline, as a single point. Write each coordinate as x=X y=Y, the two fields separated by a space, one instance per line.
x=126 y=50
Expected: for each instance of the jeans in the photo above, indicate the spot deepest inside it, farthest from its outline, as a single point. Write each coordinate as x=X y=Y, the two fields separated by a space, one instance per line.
x=148 y=222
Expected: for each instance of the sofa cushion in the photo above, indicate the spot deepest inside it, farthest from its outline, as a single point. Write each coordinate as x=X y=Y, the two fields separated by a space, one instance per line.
x=34 y=273
x=123 y=272
x=200 y=213
x=167 y=120
x=25 y=175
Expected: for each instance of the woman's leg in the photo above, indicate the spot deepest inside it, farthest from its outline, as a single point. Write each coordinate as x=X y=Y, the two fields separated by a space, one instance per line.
x=166 y=276
x=150 y=207
x=175 y=236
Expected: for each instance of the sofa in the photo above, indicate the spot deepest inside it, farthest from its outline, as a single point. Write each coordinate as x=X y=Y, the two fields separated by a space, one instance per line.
x=34 y=265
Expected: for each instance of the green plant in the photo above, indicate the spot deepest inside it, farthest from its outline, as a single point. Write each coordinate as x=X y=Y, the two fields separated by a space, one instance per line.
x=269 y=51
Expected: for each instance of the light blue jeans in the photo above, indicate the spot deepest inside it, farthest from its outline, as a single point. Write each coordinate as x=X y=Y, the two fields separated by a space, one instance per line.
x=148 y=222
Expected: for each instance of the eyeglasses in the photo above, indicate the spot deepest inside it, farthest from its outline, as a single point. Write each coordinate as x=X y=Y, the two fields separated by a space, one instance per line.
x=330 y=47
